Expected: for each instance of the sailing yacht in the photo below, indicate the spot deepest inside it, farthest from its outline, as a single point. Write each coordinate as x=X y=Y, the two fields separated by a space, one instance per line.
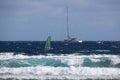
x=69 y=39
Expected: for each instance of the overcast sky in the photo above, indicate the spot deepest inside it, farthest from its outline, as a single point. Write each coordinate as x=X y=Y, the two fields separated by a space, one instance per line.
x=37 y=19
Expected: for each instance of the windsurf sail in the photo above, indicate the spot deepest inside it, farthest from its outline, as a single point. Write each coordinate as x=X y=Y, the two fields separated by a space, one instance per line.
x=48 y=44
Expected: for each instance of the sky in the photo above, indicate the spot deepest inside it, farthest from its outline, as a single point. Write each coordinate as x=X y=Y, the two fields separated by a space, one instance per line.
x=35 y=20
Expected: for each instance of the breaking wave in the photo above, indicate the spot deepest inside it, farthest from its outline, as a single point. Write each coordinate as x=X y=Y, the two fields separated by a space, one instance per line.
x=10 y=60
x=59 y=67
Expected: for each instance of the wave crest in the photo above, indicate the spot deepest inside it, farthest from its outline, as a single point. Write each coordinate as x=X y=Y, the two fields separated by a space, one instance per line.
x=10 y=60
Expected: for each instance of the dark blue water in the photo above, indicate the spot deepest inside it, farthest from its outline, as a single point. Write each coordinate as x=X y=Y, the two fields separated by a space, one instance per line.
x=59 y=47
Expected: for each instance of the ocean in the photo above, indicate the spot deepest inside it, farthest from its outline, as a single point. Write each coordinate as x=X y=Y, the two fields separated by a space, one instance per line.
x=25 y=61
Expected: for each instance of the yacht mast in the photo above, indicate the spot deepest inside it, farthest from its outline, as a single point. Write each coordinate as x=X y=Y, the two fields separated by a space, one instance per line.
x=68 y=36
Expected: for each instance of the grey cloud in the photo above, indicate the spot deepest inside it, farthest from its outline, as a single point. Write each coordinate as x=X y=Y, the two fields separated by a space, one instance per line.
x=85 y=16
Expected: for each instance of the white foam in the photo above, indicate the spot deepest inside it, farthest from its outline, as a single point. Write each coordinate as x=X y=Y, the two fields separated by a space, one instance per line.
x=72 y=61
x=11 y=56
x=7 y=56
x=47 y=72
x=4 y=56
x=115 y=59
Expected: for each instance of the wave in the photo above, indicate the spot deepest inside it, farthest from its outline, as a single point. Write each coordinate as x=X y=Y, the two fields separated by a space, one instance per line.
x=13 y=61
x=70 y=66
x=47 y=72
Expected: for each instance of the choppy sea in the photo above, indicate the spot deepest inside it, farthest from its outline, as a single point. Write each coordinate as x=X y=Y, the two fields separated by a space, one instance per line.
x=63 y=66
